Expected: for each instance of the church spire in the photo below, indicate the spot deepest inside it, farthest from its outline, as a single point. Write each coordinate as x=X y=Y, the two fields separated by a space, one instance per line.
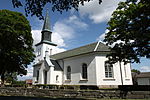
x=46 y=26
x=46 y=31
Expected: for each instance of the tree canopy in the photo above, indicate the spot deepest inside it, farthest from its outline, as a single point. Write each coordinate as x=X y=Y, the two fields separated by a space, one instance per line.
x=35 y=7
x=135 y=71
x=16 y=50
x=129 y=31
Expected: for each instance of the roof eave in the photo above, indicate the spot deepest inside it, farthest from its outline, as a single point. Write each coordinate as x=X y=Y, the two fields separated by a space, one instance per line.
x=103 y=52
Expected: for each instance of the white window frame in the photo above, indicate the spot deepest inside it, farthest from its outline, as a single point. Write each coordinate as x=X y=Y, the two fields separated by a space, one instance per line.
x=84 y=71
x=68 y=74
x=109 y=72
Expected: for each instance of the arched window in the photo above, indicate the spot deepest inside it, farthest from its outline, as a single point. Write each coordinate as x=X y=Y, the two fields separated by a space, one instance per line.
x=108 y=70
x=37 y=76
x=84 y=71
x=57 y=78
x=68 y=73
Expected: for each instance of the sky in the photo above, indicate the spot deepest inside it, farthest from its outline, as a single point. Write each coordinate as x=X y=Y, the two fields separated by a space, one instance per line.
x=73 y=29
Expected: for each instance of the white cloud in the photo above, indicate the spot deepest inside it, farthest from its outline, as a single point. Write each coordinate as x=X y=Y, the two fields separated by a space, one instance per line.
x=66 y=29
x=76 y=22
x=58 y=50
x=30 y=71
x=145 y=69
x=36 y=35
x=99 y=12
x=58 y=39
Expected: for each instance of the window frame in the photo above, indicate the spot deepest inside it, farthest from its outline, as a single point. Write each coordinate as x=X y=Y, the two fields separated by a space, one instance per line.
x=109 y=72
x=38 y=51
x=37 y=77
x=68 y=74
x=84 y=72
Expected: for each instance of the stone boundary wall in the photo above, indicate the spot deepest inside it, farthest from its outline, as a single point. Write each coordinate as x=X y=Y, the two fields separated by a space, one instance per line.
x=105 y=93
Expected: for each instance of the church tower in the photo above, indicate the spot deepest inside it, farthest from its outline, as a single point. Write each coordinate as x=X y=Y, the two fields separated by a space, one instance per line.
x=45 y=46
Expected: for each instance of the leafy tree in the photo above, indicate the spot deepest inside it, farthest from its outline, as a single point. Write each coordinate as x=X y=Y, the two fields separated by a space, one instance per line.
x=135 y=71
x=129 y=32
x=10 y=77
x=35 y=7
x=16 y=50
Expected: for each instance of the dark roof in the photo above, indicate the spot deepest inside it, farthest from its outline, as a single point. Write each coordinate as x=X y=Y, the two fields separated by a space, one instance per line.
x=46 y=26
x=46 y=42
x=143 y=75
x=39 y=63
x=94 y=47
x=56 y=65
x=54 y=62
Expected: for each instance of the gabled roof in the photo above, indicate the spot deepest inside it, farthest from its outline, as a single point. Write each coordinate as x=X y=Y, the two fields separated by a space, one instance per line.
x=94 y=47
x=50 y=62
x=56 y=65
x=143 y=75
x=39 y=63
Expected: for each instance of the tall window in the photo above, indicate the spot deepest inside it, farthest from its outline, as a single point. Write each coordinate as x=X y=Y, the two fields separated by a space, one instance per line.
x=84 y=71
x=68 y=73
x=125 y=71
x=45 y=77
x=108 y=70
x=37 y=77
x=39 y=52
x=57 y=78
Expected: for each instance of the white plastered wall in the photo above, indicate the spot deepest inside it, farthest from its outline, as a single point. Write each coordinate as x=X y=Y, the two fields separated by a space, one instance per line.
x=76 y=67
x=116 y=80
x=42 y=48
x=51 y=75
x=58 y=81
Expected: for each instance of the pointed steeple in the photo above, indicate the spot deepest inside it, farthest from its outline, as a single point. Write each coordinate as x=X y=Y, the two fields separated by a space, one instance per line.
x=46 y=31
x=46 y=26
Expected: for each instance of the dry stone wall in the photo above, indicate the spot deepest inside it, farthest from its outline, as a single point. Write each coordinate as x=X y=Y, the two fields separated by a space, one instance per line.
x=11 y=91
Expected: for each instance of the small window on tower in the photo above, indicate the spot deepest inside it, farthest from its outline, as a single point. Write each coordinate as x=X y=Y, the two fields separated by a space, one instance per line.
x=39 y=52
x=50 y=51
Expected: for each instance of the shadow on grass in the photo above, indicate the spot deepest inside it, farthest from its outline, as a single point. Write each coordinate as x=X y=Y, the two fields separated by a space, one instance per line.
x=34 y=98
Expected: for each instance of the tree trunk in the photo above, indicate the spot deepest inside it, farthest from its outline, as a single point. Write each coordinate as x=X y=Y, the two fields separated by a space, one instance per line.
x=121 y=73
x=2 y=79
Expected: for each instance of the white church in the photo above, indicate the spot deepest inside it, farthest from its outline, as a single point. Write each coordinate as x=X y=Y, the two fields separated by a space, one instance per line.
x=84 y=65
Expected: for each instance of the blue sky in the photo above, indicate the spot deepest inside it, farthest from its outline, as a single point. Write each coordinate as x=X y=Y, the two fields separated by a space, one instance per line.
x=73 y=29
